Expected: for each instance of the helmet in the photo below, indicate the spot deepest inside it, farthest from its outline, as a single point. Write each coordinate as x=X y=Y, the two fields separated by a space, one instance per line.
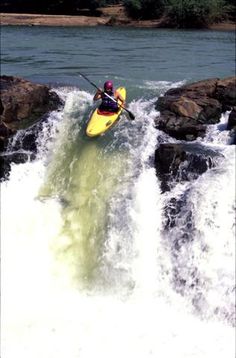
x=108 y=85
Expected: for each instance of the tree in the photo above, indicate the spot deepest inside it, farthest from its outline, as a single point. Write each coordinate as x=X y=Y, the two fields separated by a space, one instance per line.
x=144 y=9
x=194 y=13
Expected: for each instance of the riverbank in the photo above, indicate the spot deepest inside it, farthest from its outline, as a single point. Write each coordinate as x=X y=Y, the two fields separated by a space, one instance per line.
x=110 y=16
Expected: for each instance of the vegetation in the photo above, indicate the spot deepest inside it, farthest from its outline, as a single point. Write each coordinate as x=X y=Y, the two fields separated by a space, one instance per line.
x=180 y=13
x=231 y=9
x=195 y=13
x=144 y=9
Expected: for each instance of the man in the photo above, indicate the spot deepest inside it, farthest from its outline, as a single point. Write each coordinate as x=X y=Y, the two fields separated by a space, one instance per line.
x=108 y=105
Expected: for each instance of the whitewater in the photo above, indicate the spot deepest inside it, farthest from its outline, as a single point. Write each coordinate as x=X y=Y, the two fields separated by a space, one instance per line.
x=92 y=267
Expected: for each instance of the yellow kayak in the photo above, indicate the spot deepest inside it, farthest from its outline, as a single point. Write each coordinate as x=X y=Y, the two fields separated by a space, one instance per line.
x=99 y=122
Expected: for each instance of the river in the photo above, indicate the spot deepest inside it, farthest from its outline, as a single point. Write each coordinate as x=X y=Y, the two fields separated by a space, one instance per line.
x=90 y=267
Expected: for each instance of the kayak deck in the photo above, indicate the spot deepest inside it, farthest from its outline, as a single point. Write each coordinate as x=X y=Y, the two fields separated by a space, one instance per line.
x=100 y=122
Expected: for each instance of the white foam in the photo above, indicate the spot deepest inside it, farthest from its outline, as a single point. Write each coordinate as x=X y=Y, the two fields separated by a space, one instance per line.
x=45 y=314
x=161 y=85
x=218 y=133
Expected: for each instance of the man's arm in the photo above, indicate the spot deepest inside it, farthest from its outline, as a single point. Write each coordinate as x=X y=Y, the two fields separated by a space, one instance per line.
x=98 y=95
x=118 y=96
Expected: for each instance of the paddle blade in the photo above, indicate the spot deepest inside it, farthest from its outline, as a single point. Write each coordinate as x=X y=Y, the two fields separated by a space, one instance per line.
x=131 y=115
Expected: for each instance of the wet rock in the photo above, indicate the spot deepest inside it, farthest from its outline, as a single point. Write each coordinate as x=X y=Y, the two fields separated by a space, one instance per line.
x=7 y=159
x=5 y=168
x=226 y=91
x=185 y=112
x=232 y=119
x=20 y=148
x=22 y=101
x=232 y=124
x=5 y=133
x=182 y=162
x=180 y=127
x=22 y=104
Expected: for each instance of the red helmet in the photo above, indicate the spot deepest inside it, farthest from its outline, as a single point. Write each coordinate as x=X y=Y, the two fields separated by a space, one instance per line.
x=108 y=85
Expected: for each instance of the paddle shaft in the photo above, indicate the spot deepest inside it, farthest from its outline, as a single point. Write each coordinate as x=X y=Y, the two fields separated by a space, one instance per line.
x=106 y=94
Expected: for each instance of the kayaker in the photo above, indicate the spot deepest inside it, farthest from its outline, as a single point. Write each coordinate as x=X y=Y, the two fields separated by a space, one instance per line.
x=108 y=105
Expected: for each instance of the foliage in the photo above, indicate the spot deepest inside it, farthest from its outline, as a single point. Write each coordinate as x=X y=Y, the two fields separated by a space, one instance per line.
x=181 y=13
x=195 y=13
x=231 y=9
x=144 y=9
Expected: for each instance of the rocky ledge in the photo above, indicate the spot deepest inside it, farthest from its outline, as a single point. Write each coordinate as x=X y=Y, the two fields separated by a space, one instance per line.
x=181 y=162
x=22 y=104
x=185 y=112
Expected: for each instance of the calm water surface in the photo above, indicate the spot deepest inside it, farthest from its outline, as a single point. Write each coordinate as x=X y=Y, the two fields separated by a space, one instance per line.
x=56 y=54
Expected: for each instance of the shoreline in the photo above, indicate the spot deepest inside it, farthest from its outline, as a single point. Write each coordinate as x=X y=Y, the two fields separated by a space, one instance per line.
x=106 y=19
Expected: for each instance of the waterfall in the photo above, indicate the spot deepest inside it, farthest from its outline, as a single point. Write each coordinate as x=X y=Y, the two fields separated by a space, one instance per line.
x=91 y=263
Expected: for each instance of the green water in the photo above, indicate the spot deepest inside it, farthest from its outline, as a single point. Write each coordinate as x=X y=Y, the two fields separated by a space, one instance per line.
x=83 y=174
x=130 y=56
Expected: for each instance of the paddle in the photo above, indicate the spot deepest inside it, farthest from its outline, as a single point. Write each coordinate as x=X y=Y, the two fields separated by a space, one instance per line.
x=132 y=117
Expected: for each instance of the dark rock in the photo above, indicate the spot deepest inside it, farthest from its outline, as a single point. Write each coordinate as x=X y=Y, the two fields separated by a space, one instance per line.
x=23 y=100
x=232 y=124
x=211 y=111
x=185 y=112
x=182 y=128
x=18 y=149
x=5 y=168
x=5 y=133
x=182 y=162
x=1 y=107
x=22 y=104
x=7 y=159
x=232 y=119
x=226 y=91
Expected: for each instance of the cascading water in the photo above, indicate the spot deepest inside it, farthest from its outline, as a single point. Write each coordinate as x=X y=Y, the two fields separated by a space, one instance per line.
x=92 y=266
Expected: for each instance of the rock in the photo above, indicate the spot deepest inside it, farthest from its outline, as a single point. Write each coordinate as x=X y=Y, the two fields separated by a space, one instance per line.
x=1 y=107
x=186 y=107
x=182 y=162
x=185 y=112
x=226 y=91
x=24 y=101
x=20 y=148
x=22 y=104
x=232 y=119
x=232 y=124
x=5 y=133
x=180 y=127
x=7 y=159
x=211 y=110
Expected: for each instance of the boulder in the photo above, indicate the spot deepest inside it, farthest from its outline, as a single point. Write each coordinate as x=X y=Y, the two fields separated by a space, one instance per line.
x=232 y=119
x=7 y=159
x=22 y=101
x=178 y=162
x=180 y=127
x=232 y=124
x=226 y=91
x=20 y=148
x=5 y=133
x=23 y=105
x=185 y=112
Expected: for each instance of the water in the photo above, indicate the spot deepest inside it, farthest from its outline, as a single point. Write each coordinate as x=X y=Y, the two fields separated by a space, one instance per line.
x=134 y=55
x=90 y=265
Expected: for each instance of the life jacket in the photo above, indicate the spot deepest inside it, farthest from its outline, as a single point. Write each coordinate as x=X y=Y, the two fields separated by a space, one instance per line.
x=107 y=104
